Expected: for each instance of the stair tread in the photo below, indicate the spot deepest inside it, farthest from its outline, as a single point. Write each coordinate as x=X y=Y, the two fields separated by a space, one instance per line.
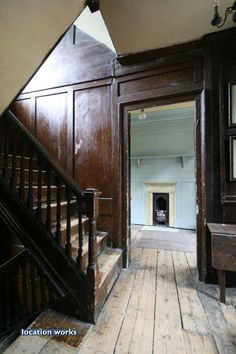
x=54 y=204
x=74 y=250
x=74 y=222
x=44 y=186
x=18 y=156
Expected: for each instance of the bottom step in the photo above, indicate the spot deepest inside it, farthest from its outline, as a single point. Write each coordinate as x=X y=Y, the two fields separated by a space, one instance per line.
x=110 y=266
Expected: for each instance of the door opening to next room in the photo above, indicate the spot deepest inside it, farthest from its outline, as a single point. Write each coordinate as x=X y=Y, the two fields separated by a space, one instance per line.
x=162 y=166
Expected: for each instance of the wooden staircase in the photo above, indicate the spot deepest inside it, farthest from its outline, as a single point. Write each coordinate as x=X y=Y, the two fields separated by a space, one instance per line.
x=56 y=221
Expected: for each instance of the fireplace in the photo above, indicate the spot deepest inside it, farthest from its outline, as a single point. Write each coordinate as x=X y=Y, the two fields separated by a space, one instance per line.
x=161 y=209
x=161 y=189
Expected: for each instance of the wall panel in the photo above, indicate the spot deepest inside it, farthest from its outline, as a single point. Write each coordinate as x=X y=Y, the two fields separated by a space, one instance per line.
x=51 y=124
x=24 y=111
x=92 y=139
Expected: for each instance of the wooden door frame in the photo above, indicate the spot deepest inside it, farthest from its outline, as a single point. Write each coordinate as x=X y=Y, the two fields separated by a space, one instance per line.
x=132 y=103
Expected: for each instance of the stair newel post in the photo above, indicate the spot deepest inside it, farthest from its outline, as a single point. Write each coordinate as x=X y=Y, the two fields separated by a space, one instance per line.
x=92 y=204
x=80 y=233
x=68 y=221
x=58 y=183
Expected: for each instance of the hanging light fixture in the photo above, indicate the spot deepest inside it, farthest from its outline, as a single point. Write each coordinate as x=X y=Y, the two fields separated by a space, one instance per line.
x=142 y=114
x=217 y=20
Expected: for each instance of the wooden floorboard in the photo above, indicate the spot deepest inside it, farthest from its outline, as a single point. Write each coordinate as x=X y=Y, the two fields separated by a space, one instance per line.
x=168 y=334
x=103 y=337
x=218 y=323
x=188 y=317
x=157 y=306
x=136 y=335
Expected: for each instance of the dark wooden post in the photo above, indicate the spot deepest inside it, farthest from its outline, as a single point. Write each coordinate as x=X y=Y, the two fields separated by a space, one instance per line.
x=92 y=210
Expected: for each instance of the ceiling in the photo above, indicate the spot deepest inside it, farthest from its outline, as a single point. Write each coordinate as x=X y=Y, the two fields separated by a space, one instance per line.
x=163 y=114
x=167 y=131
x=138 y=25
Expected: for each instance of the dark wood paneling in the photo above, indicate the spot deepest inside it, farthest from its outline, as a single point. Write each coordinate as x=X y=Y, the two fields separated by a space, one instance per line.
x=228 y=75
x=172 y=77
x=71 y=62
x=132 y=59
x=105 y=223
x=92 y=145
x=105 y=206
x=24 y=111
x=51 y=125
x=229 y=214
x=219 y=49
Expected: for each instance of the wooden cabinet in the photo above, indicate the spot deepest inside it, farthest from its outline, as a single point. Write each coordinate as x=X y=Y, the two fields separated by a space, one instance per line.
x=223 y=245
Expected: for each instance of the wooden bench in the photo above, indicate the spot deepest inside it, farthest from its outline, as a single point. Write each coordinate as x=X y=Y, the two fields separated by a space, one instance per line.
x=223 y=247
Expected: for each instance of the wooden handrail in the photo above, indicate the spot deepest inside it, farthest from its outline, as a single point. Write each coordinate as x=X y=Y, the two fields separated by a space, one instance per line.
x=42 y=151
x=13 y=261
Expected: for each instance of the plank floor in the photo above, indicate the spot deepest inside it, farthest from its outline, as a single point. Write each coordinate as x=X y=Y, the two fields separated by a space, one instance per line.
x=157 y=306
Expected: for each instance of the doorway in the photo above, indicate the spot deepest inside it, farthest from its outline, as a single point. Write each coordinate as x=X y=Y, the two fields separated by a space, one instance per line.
x=197 y=187
x=162 y=166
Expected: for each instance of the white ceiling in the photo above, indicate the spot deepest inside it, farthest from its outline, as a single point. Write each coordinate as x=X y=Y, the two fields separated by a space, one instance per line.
x=139 y=25
x=93 y=24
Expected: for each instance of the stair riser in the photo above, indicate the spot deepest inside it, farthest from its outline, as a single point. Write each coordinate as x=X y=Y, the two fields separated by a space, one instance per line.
x=74 y=232
x=26 y=177
x=101 y=245
x=54 y=212
x=35 y=176
x=44 y=192
x=18 y=162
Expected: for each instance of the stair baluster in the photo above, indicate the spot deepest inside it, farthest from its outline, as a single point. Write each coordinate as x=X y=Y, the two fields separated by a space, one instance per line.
x=22 y=173
x=68 y=222
x=6 y=152
x=34 y=306
x=42 y=290
x=80 y=233
x=39 y=203
x=58 y=222
x=24 y=288
x=7 y=300
x=30 y=177
x=13 y=166
x=49 y=179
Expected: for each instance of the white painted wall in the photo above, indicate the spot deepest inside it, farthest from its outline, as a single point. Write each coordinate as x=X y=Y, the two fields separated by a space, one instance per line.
x=29 y=29
x=168 y=170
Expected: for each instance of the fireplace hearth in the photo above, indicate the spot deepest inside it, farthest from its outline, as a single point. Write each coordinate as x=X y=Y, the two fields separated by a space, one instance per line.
x=161 y=209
